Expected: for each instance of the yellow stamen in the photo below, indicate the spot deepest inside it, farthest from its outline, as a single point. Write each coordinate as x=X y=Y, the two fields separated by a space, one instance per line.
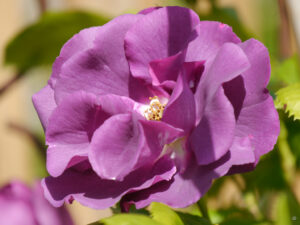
x=155 y=109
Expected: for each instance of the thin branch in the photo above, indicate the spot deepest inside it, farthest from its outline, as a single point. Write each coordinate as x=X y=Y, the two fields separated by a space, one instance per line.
x=10 y=83
x=40 y=146
x=43 y=6
x=285 y=28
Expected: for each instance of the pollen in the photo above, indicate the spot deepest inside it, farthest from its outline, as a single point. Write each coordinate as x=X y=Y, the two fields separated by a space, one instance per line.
x=155 y=109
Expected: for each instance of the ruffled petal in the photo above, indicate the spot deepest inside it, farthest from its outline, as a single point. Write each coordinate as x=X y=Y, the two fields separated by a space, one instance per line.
x=157 y=135
x=259 y=123
x=180 y=111
x=183 y=190
x=94 y=192
x=149 y=10
x=46 y=213
x=256 y=78
x=242 y=152
x=44 y=104
x=158 y=35
x=78 y=43
x=193 y=71
x=230 y=62
x=166 y=69
x=70 y=130
x=101 y=69
x=115 y=147
x=213 y=137
x=211 y=37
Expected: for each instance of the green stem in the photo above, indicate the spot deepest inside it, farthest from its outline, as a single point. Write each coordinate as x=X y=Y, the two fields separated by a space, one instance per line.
x=203 y=208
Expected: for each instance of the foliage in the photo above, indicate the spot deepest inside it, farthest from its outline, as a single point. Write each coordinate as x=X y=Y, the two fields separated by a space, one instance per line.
x=268 y=195
x=288 y=98
x=40 y=43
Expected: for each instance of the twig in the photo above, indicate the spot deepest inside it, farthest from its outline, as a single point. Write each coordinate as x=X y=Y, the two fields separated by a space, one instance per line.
x=6 y=86
x=43 y=6
x=285 y=27
x=40 y=146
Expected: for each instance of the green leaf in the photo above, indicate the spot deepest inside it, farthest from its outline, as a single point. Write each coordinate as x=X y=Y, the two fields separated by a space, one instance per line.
x=40 y=43
x=287 y=210
x=168 y=216
x=164 y=214
x=289 y=71
x=288 y=98
x=128 y=219
x=262 y=178
x=189 y=219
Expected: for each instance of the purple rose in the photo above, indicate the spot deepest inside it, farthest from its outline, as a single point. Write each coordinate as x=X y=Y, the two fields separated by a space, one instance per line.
x=21 y=205
x=153 y=107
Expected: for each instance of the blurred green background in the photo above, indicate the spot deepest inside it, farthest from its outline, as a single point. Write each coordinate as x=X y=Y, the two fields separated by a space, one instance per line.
x=32 y=33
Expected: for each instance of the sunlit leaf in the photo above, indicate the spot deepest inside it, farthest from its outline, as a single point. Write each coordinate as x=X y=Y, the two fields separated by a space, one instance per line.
x=168 y=216
x=40 y=43
x=164 y=214
x=288 y=98
x=127 y=219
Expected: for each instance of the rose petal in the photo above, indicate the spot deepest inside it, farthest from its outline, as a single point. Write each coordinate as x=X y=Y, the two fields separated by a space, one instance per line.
x=78 y=43
x=157 y=135
x=45 y=213
x=211 y=37
x=259 y=123
x=257 y=76
x=115 y=147
x=158 y=35
x=166 y=69
x=230 y=62
x=183 y=190
x=70 y=130
x=149 y=10
x=44 y=104
x=193 y=71
x=102 y=69
x=97 y=193
x=235 y=92
x=180 y=110
x=213 y=137
x=9 y=216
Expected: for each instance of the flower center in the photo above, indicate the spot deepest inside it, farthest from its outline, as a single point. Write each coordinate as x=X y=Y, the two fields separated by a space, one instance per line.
x=155 y=109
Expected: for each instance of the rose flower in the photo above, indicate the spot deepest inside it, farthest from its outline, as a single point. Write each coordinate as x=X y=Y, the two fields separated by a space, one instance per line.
x=153 y=107
x=20 y=204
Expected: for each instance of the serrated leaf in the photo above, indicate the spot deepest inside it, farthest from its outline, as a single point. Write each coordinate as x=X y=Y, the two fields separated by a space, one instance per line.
x=167 y=216
x=128 y=219
x=288 y=98
x=40 y=43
